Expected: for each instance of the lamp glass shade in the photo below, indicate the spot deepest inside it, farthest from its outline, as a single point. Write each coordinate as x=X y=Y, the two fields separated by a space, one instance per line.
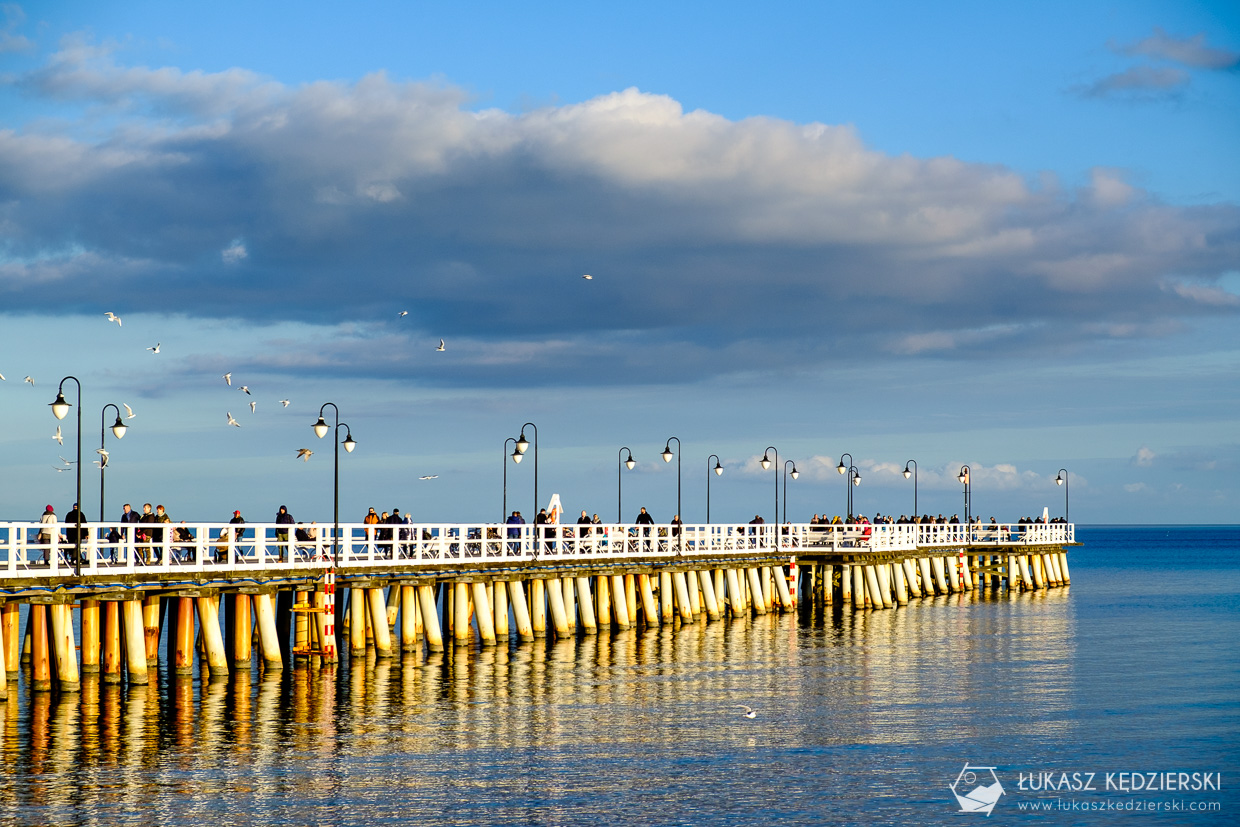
x=523 y=443
x=907 y=472
x=630 y=462
x=1059 y=480
x=119 y=428
x=320 y=428
x=795 y=472
x=841 y=467
x=856 y=479
x=60 y=408
x=962 y=476
x=667 y=454
x=718 y=470
x=349 y=443
x=517 y=456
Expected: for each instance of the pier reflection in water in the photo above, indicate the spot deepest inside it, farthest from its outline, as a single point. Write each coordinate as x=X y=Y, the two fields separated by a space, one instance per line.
x=640 y=726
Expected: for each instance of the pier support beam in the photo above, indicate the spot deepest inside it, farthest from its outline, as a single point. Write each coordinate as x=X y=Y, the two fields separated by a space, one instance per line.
x=135 y=642
x=585 y=604
x=379 y=622
x=559 y=615
x=482 y=612
x=112 y=642
x=67 y=676
x=10 y=624
x=666 y=599
x=858 y=588
x=602 y=601
x=408 y=618
x=682 y=596
x=462 y=632
x=520 y=611
x=90 y=637
x=430 y=619
x=619 y=601
x=499 y=607
x=242 y=631
x=736 y=595
x=786 y=601
x=755 y=586
x=940 y=576
x=910 y=576
x=538 y=607
x=151 y=610
x=209 y=623
x=183 y=636
x=40 y=663
x=268 y=637
x=711 y=603
x=649 y=607
x=901 y=588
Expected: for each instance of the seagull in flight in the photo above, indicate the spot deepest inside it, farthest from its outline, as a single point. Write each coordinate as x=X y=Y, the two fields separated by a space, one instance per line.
x=252 y=404
x=31 y=381
x=429 y=477
x=232 y=421
x=129 y=411
x=304 y=454
x=228 y=378
x=588 y=277
x=60 y=440
x=284 y=402
x=1 y=377
x=749 y=713
x=68 y=464
x=402 y=314
x=245 y=389
x=103 y=461
x=441 y=347
x=156 y=348
x=112 y=317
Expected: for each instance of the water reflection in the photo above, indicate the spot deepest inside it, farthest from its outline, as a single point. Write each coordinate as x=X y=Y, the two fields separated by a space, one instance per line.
x=528 y=724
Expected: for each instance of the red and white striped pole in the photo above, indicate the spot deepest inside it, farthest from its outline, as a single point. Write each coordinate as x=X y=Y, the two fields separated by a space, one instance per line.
x=329 y=614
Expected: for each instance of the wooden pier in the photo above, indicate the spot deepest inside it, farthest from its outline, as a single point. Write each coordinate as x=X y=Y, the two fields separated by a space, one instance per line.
x=209 y=594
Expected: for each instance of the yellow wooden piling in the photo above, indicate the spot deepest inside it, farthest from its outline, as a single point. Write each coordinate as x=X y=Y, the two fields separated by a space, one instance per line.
x=183 y=650
x=430 y=618
x=41 y=667
x=90 y=636
x=585 y=605
x=135 y=642
x=112 y=642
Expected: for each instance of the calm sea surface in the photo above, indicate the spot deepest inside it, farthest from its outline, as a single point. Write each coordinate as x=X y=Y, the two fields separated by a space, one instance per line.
x=861 y=718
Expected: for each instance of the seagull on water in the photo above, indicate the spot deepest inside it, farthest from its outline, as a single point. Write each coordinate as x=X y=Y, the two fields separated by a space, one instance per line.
x=156 y=348
x=60 y=440
x=228 y=378
x=749 y=713
x=441 y=347
x=245 y=389
x=128 y=411
x=31 y=381
x=284 y=402
x=232 y=421
x=252 y=404
x=304 y=454
x=429 y=477
x=112 y=317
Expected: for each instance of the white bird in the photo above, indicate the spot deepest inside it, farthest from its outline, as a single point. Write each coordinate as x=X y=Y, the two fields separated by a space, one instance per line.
x=156 y=348
x=102 y=452
x=440 y=345
x=60 y=440
x=252 y=404
x=588 y=277
x=232 y=421
x=228 y=378
x=749 y=713
x=68 y=464
x=284 y=402
x=31 y=381
x=245 y=388
x=429 y=477
x=112 y=317
x=1 y=377
x=129 y=411
x=58 y=468
x=402 y=314
x=304 y=454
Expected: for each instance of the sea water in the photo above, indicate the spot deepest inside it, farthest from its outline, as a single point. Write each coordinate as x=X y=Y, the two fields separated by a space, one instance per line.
x=1075 y=701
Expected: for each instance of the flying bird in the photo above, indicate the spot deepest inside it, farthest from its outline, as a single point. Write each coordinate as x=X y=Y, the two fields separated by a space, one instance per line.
x=1 y=377
x=228 y=378
x=284 y=402
x=588 y=277
x=440 y=345
x=60 y=440
x=232 y=421
x=103 y=454
x=245 y=389
x=68 y=463
x=252 y=404
x=128 y=411
x=429 y=477
x=31 y=381
x=58 y=468
x=402 y=314
x=304 y=454
x=156 y=348
x=112 y=317
x=749 y=713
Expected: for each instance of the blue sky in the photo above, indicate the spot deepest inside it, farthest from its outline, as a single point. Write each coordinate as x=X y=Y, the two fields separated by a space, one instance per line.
x=960 y=234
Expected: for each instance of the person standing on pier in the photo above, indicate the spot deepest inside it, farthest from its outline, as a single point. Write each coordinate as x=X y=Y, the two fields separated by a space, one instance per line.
x=73 y=534
x=128 y=515
x=283 y=518
x=45 y=534
x=514 y=533
x=157 y=534
x=645 y=521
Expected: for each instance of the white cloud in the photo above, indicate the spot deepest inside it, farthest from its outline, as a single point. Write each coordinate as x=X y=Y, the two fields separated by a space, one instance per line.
x=1139 y=81
x=1145 y=457
x=1190 y=51
x=1136 y=487
x=234 y=253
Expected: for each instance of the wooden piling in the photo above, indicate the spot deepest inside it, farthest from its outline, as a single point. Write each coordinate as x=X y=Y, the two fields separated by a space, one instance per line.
x=152 y=608
x=649 y=607
x=243 y=630
x=212 y=637
x=682 y=596
x=755 y=588
x=666 y=598
x=786 y=601
x=135 y=641
x=499 y=607
x=1063 y=568
x=268 y=637
x=630 y=596
x=602 y=601
x=858 y=588
x=357 y=621
x=538 y=607
x=112 y=642
x=709 y=601
x=901 y=586
x=183 y=637
x=520 y=611
x=559 y=615
x=619 y=602
x=90 y=636
x=379 y=624
x=68 y=678
x=484 y=614
x=430 y=619
x=10 y=625
x=585 y=604
x=568 y=586
x=41 y=667
x=408 y=618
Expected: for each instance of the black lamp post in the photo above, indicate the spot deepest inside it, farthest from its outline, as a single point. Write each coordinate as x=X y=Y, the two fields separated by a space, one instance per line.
x=628 y=462
x=522 y=445
x=118 y=429
x=1062 y=479
x=795 y=474
x=851 y=480
x=913 y=463
x=718 y=469
x=60 y=408
x=320 y=430
x=667 y=457
x=766 y=463
x=968 y=492
x=516 y=457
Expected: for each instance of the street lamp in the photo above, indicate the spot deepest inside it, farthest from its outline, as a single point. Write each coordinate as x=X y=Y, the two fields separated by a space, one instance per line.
x=851 y=480
x=1062 y=479
x=963 y=476
x=516 y=457
x=795 y=474
x=907 y=472
x=718 y=469
x=667 y=457
x=60 y=408
x=766 y=463
x=522 y=445
x=320 y=430
x=627 y=463
x=118 y=429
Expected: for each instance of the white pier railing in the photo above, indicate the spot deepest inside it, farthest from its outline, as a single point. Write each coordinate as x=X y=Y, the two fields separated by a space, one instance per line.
x=34 y=550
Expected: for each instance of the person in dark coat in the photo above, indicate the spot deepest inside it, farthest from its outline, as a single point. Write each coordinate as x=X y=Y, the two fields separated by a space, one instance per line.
x=283 y=518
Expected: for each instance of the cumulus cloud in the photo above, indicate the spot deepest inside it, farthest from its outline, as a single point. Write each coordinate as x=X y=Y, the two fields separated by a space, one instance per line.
x=10 y=40
x=1138 y=81
x=1144 y=457
x=1190 y=51
x=717 y=246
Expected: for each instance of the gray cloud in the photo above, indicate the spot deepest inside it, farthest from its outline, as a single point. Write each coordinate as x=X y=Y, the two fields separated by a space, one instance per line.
x=716 y=246
x=1139 y=81
x=1190 y=51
